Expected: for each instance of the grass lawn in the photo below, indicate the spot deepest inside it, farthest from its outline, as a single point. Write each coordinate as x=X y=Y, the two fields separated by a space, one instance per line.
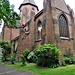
x=31 y=67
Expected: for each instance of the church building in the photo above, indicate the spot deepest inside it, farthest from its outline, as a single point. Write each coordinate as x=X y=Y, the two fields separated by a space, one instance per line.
x=54 y=24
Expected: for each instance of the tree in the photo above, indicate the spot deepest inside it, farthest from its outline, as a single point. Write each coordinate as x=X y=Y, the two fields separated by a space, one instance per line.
x=7 y=15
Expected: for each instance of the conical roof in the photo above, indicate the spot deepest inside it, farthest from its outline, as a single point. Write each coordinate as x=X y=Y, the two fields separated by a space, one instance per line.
x=26 y=2
x=29 y=1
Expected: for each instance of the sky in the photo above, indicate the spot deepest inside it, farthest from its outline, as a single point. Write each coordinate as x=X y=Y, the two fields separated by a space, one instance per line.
x=39 y=3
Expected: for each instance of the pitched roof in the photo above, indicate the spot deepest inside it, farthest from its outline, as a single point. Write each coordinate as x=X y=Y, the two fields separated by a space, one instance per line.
x=18 y=23
x=38 y=14
x=31 y=2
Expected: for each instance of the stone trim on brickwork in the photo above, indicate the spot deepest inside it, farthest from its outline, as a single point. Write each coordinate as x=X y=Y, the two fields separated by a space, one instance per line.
x=62 y=11
x=66 y=38
x=38 y=14
x=55 y=21
x=38 y=40
x=16 y=38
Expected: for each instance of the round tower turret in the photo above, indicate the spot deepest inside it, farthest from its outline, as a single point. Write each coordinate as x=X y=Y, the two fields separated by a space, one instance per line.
x=25 y=10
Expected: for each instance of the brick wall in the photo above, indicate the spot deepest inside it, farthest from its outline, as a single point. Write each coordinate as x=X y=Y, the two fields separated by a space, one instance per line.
x=8 y=31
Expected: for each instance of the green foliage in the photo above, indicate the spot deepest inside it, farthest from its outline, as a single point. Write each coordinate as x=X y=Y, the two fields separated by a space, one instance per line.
x=66 y=60
x=32 y=57
x=63 y=63
x=24 y=56
x=6 y=49
x=10 y=26
x=16 y=27
x=69 y=60
x=14 y=18
x=73 y=60
x=26 y=52
x=7 y=14
x=12 y=59
x=18 y=60
x=47 y=55
x=23 y=59
x=5 y=11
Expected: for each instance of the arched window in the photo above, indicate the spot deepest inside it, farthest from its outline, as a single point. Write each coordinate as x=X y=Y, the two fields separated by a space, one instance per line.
x=39 y=30
x=63 y=26
x=38 y=34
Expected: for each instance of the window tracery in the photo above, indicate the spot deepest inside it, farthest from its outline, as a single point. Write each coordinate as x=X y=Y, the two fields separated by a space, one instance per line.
x=63 y=26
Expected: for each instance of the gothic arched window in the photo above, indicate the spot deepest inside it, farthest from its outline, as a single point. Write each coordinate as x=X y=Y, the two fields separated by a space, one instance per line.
x=63 y=26
x=38 y=34
x=39 y=29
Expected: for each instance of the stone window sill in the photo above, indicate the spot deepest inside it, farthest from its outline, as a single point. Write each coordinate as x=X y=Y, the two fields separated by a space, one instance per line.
x=38 y=40
x=27 y=32
x=66 y=38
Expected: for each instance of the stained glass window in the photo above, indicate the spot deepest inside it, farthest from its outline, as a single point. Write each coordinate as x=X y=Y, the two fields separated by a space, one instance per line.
x=63 y=26
x=39 y=30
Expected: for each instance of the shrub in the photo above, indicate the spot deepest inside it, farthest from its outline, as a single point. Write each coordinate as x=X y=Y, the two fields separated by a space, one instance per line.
x=69 y=60
x=6 y=51
x=66 y=60
x=24 y=56
x=25 y=53
x=12 y=59
x=2 y=59
x=47 y=55
x=73 y=60
x=23 y=60
x=32 y=56
x=63 y=63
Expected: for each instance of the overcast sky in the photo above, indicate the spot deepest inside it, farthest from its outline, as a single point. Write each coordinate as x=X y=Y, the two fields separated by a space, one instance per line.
x=17 y=3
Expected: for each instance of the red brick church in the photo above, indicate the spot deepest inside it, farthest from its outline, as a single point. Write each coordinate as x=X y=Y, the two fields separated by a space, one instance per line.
x=54 y=24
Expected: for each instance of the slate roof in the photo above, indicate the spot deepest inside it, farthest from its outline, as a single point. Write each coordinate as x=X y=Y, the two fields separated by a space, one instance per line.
x=18 y=23
x=31 y=2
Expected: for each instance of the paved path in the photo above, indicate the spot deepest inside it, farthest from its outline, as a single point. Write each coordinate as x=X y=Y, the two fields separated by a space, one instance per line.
x=4 y=70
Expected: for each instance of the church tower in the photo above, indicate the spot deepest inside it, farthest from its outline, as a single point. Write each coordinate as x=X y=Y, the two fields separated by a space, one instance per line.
x=25 y=10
